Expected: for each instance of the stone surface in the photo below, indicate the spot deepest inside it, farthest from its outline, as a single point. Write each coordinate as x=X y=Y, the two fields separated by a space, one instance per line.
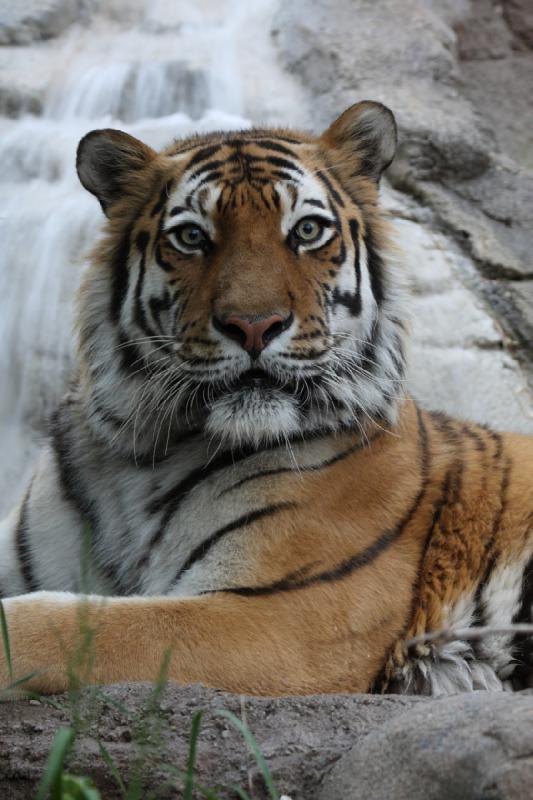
x=26 y=20
x=478 y=747
x=388 y=746
x=459 y=358
x=337 y=47
x=519 y=16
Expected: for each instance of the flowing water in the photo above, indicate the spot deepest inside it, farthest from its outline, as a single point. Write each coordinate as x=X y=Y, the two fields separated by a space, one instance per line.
x=160 y=73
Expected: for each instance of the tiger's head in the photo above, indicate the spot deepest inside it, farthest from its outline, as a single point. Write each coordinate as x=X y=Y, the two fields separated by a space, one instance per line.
x=243 y=284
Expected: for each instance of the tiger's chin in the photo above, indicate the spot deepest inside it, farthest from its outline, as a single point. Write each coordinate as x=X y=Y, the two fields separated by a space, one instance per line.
x=253 y=417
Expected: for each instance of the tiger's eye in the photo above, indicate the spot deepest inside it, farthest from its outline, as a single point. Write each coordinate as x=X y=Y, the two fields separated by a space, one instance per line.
x=308 y=229
x=191 y=235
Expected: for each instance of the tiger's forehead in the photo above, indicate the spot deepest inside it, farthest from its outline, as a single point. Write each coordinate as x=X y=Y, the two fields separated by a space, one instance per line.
x=278 y=176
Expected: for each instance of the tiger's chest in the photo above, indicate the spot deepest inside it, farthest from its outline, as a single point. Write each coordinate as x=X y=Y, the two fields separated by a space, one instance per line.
x=185 y=525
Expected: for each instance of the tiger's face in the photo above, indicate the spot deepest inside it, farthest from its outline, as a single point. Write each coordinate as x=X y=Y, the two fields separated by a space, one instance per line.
x=247 y=277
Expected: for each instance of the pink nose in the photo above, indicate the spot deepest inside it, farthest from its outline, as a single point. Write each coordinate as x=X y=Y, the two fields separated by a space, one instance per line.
x=253 y=333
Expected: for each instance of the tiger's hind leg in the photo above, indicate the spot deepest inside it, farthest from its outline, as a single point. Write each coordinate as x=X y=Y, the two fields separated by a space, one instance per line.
x=502 y=660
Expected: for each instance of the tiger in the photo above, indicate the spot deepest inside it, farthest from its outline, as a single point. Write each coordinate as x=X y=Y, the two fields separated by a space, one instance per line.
x=237 y=479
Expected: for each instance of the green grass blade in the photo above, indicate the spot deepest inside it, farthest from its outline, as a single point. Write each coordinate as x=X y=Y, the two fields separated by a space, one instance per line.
x=111 y=766
x=252 y=744
x=240 y=793
x=20 y=682
x=51 y=779
x=85 y=556
x=23 y=680
x=5 y=641
x=161 y=680
x=191 y=760
x=209 y=794
x=74 y=788
x=135 y=790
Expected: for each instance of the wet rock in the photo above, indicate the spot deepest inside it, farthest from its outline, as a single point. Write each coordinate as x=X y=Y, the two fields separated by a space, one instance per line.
x=497 y=239
x=458 y=352
x=16 y=101
x=24 y=21
x=483 y=32
x=514 y=301
x=478 y=746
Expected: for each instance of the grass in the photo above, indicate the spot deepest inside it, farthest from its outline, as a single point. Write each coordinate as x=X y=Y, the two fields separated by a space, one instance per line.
x=149 y=731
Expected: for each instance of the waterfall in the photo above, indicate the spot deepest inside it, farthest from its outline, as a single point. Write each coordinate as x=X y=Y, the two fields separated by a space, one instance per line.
x=159 y=74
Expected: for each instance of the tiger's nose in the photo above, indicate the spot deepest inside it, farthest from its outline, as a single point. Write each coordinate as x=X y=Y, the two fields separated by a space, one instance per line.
x=253 y=333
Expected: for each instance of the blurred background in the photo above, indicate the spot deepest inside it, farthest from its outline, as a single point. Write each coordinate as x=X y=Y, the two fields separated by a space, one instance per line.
x=457 y=73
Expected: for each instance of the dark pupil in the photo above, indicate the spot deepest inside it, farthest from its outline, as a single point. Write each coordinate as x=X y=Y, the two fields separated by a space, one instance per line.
x=308 y=228
x=193 y=233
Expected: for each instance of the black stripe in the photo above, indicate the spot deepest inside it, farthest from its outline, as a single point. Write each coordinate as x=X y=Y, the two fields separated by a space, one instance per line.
x=211 y=176
x=268 y=144
x=161 y=202
x=277 y=173
x=361 y=445
x=242 y=522
x=120 y=274
x=103 y=414
x=171 y=500
x=70 y=484
x=522 y=646
x=449 y=494
x=334 y=193
x=71 y=488
x=204 y=154
x=490 y=553
x=157 y=306
x=23 y=547
x=361 y=559
x=160 y=260
x=352 y=300
x=258 y=135
x=264 y=198
x=176 y=210
x=316 y=203
x=375 y=267
x=211 y=165
x=131 y=358
x=282 y=163
x=475 y=438
x=140 y=316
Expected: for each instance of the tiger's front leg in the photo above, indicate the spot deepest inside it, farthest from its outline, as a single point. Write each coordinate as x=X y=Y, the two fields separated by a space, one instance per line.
x=261 y=645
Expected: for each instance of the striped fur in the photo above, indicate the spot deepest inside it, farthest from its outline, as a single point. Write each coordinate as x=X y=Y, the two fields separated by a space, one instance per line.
x=283 y=521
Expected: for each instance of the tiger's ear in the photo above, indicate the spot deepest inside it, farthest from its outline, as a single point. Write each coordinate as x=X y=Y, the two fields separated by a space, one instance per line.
x=108 y=161
x=368 y=131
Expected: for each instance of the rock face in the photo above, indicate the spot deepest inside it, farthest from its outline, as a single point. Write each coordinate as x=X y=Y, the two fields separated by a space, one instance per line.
x=24 y=21
x=458 y=76
x=317 y=748
x=476 y=746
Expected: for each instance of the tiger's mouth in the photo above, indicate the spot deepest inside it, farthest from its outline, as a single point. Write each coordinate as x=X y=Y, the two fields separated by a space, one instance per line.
x=256 y=379
x=253 y=380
